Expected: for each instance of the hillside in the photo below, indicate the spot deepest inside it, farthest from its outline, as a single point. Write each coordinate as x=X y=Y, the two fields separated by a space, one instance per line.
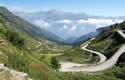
x=22 y=26
x=108 y=41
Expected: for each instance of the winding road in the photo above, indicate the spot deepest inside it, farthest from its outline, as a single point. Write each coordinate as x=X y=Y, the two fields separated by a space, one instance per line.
x=39 y=44
x=73 y=67
x=102 y=57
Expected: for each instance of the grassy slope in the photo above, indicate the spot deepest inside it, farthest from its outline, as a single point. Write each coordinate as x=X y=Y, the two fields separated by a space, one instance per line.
x=73 y=55
x=77 y=55
x=101 y=45
x=23 y=59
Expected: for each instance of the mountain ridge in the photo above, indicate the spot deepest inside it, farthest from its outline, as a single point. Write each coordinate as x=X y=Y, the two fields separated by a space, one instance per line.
x=21 y=25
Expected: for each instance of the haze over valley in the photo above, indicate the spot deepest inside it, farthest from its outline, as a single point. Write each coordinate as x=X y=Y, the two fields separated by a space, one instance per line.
x=68 y=24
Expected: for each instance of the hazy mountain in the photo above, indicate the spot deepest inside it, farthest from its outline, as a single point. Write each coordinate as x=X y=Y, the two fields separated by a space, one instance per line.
x=70 y=40
x=52 y=15
x=85 y=37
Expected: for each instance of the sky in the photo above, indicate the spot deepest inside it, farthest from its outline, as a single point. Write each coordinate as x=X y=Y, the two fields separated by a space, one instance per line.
x=93 y=7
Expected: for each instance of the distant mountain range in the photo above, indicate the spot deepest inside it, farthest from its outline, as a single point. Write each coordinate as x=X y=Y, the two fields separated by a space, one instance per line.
x=67 y=27
x=68 y=24
x=81 y=39
x=55 y=15
x=85 y=37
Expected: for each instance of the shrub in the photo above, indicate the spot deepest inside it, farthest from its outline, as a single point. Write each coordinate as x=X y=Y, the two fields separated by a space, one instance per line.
x=15 y=39
x=54 y=63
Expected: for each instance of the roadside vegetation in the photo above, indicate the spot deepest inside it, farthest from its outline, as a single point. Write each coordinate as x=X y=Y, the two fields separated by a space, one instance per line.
x=54 y=63
x=78 y=55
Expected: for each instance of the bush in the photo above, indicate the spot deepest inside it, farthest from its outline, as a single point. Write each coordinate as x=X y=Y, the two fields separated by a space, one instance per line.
x=15 y=39
x=54 y=63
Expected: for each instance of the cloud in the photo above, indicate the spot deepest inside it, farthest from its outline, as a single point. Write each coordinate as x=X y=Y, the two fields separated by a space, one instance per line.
x=41 y=23
x=74 y=27
x=99 y=22
x=64 y=21
x=118 y=21
x=65 y=27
